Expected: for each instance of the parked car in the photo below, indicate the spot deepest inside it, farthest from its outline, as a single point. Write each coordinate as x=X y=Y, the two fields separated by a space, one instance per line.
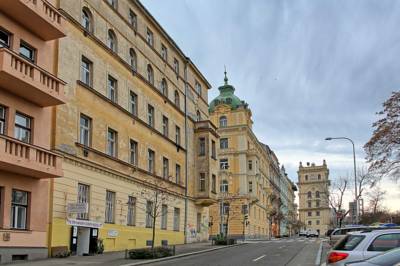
x=389 y=258
x=329 y=232
x=303 y=233
x=339 y=233
x=312 y=233
x=359 y=246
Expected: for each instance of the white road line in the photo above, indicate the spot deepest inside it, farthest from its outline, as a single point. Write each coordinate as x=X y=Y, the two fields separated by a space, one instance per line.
x=318 y=258
x=282 y=247
x=259 y=258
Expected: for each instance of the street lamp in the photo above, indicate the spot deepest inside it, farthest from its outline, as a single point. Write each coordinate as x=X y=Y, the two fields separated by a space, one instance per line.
x=355 y=174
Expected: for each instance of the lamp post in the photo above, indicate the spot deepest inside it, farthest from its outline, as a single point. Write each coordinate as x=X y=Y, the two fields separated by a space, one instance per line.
x=355 y=174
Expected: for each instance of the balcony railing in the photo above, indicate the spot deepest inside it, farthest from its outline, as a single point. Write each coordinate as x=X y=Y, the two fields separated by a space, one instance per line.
x=27 y=80
x=29 y=160
x=38 y=16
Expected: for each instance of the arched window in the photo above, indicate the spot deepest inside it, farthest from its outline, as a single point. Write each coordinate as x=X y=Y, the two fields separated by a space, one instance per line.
x=224 y=186
x=223 y=122
x=87 y=19
x=132 y=59
x=176 y=98
x=164 y=87
x=309 y=194
x=317 y=194
x=198 y=115
x=319 y=177
x=112 y=41
x=306 y=177
x=150 y=74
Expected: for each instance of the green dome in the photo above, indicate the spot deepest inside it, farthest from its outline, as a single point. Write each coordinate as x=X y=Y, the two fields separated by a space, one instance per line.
x=226 y=96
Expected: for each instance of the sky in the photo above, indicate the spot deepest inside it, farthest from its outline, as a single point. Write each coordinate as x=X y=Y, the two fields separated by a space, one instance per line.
x=308 y=69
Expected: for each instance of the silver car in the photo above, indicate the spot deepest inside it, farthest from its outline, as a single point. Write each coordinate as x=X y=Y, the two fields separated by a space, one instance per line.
x=359 y=246
x=389 y=258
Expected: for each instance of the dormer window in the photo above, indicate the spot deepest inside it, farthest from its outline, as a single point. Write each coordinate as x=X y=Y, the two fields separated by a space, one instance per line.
x=223 y=121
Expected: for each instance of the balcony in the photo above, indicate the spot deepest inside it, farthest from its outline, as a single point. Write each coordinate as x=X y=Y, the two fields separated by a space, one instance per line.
x=38 y=16
x=26 y=159
x=205 y=198
x=24 y=79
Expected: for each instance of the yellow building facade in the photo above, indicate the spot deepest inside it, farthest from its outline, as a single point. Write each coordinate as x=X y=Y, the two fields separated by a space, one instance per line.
x=249 y=193
x=137 y=111
x=314 y=210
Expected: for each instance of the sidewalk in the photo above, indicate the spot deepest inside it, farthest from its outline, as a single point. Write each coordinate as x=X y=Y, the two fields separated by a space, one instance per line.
x=111 y=258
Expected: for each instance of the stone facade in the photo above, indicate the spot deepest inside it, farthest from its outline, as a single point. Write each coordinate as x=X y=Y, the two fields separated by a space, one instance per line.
x=137 y=108
x=313 y=183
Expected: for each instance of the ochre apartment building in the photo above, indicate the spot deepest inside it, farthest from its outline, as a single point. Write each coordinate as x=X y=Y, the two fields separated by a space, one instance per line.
x=136 y=117
x=29 y=90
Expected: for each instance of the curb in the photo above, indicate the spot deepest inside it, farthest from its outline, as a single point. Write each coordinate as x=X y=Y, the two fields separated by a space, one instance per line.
x=319 y=254
x=180 y=255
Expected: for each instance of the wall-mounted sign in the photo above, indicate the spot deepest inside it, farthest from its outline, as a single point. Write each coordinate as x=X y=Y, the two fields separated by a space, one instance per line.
x=82 y=207
x=112 y=233
x=84 y=223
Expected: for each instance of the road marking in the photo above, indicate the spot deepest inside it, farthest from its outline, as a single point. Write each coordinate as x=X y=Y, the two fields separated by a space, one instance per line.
x=318 y=259
x=259 y=258
x=282 y=247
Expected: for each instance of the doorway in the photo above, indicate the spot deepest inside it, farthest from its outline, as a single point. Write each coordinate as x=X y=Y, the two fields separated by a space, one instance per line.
x=83 y=241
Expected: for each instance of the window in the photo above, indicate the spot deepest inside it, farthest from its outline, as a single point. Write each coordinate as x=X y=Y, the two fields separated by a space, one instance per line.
x=309 y=196
x=85 y=130
x=112 y=3
x=317 y=203
x=150 y=115
x=306 y=177
x=112 y=89
x=165 y=168
x=176 y=98
x=164 y=87
x=250 y=165
x=213 y=150
x=176 y=67
x=198 y=227
x=224 y=208
x=150 y=75
x=250 y=186
x=83 y=197
x=22 y=129
x=4 y=38
x=309 y=204
x=202 y=182
x=223 y=143
x=197 y=87
x=164 y=216
x=131 y=215
x=112 y=41
x=19 y=209
x=198 y=116
x=223 y=122
x=133 y=19
x=133 y=152
x=86 y=71
x=165 y=126
x=150 y=161
x=177 y=173
x=317 y=222
x=223 y=164
x=133 y=104
x=133 y=59
x=213 y=184
x=177 y=214
x=164 y=52
x=245 y=209
x=349 y=242
x=319 y=177
x=87 y=20
x=317 y=213
x=317 y=194
x=177 y=135
x=110 y=206
x=224 y=186
x=309 y=223
x=309 y=214
x=27 y=51
x=202 y=146
x=149 y=214
x=2 y=119
x=150 y=37
x=112 y=142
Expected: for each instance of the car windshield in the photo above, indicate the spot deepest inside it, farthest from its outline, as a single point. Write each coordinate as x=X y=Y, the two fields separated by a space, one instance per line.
x=388 y=258
x=350 y=242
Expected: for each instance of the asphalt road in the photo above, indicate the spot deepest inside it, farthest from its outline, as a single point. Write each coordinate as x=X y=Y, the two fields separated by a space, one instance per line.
x=291 y=252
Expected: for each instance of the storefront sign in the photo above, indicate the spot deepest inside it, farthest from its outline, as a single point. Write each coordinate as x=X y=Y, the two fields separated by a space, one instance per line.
x=84 y=223
x=112 y=233
x=77 y=207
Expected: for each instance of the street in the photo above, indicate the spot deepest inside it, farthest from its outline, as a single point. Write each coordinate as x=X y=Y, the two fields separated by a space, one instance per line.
x=297 y=251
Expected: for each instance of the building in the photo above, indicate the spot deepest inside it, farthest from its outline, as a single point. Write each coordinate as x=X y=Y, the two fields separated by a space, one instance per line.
x=314 y=210
x=29 y=90
x=248 y=201
x=287 y=208
x=136 y=126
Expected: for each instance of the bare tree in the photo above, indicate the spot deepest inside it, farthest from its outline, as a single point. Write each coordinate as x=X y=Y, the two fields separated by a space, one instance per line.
x=375 y=198
x=383 y=149
x=336 y=199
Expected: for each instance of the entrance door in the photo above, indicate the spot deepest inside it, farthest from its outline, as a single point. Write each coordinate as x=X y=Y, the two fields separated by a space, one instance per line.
x=83 y=241
x=74 y=239
x=93 y=240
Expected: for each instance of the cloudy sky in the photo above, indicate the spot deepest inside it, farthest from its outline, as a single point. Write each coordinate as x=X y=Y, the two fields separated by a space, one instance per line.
x=308 y=68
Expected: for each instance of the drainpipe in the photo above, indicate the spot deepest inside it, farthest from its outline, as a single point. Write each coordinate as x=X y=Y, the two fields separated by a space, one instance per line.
x=186 y=148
